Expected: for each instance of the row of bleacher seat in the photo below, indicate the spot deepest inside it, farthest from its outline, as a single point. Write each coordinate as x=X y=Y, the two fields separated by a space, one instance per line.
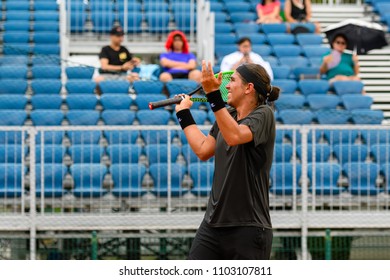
x=382 y=7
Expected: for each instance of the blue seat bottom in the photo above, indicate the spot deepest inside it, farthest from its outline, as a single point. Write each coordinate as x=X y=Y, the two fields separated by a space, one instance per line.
x=163 y=191
x=365 y=190
x=11 y=192
x=326 y=190
x=286 y=190
x=201 y=191
x=50 y=192
x=89 y=192
x=128 y=192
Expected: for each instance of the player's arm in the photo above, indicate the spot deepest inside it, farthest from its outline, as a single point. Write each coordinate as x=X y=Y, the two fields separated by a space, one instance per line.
x=202 y=145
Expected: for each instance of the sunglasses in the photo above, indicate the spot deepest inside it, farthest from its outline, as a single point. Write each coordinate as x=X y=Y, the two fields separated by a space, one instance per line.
x=340 y=42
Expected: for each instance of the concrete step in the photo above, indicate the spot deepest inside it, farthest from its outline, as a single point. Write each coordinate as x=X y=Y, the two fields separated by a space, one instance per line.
x=374 y=69
x=380 y=97
x=338 y=9
x=379 y=82
x=377 y=88
x=375 y=63
x=374 y=76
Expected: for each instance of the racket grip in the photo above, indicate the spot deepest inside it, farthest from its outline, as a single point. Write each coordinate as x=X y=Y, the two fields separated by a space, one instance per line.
x=166 y=102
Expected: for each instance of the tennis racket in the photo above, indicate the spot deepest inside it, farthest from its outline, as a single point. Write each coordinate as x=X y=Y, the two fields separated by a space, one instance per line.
x=175 y=100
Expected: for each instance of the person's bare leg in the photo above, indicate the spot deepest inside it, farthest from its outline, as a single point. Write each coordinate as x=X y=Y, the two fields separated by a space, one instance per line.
x=98 y=79
x=165 y=77
x=195 y=75
x=133 y=77
x=317 y=27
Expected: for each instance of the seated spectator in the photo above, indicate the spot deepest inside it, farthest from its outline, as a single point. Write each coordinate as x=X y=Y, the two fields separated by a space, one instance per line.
x=116 y=62
x=243 y=55
x=339 y=65
x=268 y=11
x=299 y=11
x=178 y=62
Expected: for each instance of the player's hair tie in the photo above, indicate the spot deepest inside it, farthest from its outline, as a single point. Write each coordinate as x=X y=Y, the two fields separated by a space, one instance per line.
x=249 y=77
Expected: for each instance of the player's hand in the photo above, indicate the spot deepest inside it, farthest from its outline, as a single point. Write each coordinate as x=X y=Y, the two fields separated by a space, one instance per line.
x=127 y=66
x=209 y=82
x=186 y=103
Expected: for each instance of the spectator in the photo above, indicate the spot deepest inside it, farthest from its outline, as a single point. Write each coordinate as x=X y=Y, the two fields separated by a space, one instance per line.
x=338 y=65
x=243 y=55
x=116 y=62
x=299 y=11
x=178 y=62
x=268 y=11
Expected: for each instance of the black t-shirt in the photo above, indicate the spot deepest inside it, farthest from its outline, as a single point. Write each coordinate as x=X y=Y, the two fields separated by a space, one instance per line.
x=115 y=57
x=240 y=191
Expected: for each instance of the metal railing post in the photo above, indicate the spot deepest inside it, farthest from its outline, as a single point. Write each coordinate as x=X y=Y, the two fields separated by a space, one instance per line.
x=169 y=173
x=304 y=185
x=33 y=211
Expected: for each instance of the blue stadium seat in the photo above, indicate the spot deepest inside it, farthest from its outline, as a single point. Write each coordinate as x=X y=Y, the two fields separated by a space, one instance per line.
x=282 y=152
x=47 y=117
x=322 y=152
x=52 y=26
x=183 y=139
x=17 y=16
x=86 y=153
x=236 y=17
x=283 y=180
x=353 y=101
x=13 y=72
x=80 y=86
x=362 y=178
x=287 y=50
x=124 y=153
x=77 y=21
x=11 y=154
x=246 y=28
x=14 y=60
x=147 y=117
x=366 y=116
x=46 y=60
x=287 y=86
x=202 y=175
x=315 y=51
x=156 y=6
x=118 y=117
x=348 y=87
x=12 y=117
x=211 y=116
x=51 y=153
x=319 y=102
x=48 y=102
x=47 y=16
x=274 y=61
x=223 y=28
x=148 y=87
x=116 y=102
x=294 y=62
x=223 y=50
x=158 y=153
x=181 y=86
x=11 y=180
x=306 y=39
x=262 y=50
x=50 y=137
x=281 y=72
x=46 y=72
x=88 y=180
x=306 y=72
x=81 y=102
x=313 y=87
x=220 y=17
x=46 y=86
x=52 y=180
x=326 y=178
x=132 y=6
x=295 y=116
x=128 y=180
x=159 y=173
x=184 y=21
x=333 y=116
x=334 y=137
x=17 y=5
x=108 y=87
x=280 y=39
x=43 y=5
x=239 y=6
x=375 y=136
x=289 y=101
x=84 y=137
x=309 y=25
x=256 y=39
x=102 y=21
x=142 y=101
x=199 y=116
x=134 y=20
x=274 y=28
x=385 y=169
x=350 y=153
x=46 y=38
x=315 y=61
x=222 y=39
x=17 y=25
x=12 y=102
x=216 y=6
x=381 y=153
x=16 y=37
x=79 y=72
x=83 y=117
x=158 y=22
x=121 y=137
x=43 y=49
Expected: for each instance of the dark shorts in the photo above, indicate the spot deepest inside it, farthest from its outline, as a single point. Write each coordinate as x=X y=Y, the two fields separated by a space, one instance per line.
x=231 y=243
x=179 y=75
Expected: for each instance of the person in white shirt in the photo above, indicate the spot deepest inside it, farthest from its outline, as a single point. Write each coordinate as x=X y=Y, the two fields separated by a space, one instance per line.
x=244 y=55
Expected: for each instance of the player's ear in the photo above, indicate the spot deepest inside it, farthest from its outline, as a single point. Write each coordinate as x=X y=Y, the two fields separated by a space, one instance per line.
x=249 y=88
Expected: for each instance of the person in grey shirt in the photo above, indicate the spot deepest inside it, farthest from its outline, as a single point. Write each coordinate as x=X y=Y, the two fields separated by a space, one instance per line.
x=237 y=223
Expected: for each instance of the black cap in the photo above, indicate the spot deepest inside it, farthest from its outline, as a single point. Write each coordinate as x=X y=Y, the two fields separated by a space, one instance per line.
x=117 y=31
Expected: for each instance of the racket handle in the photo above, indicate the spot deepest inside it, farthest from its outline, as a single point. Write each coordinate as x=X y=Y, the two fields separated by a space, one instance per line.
x=166 y=102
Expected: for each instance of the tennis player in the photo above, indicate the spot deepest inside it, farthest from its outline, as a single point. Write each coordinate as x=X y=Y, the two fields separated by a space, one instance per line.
x=237 y=222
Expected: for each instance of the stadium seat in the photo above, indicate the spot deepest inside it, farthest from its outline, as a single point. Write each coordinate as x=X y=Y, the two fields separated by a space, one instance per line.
x=79 y=72
x=308 y=72
x=348 y=87
x=320 y=102
x=223 y=27
x=274 y=28
x=17 y=16
x=315 y=51
x=16 y=37
x=158 y=22
x=17 y=6
x=287 y=50
x=366 y=116
x=84 y=137
x=246 y=28
x=86 y=154
x=321 y=152
x=77 y=21
x=242 y=17
x=353 y=101
x=184 y=21
x=108 y=87
x=156 y=6
x=11 y=180
x=12 y=117
x=51 y=153
x=381 y=153
x=80 y=86
x=223 y=50
x=142 y=101
x=375 y=136
x=220 y=17
x=256 y=39
x=306 y=39
x=132 y=6
x=148 y=87
x=308 y=25
x=47 y=102
x=385 y=170
x=183 y=139
x=199 y=116
x=333 y=116
x=159 y=173
x=262 y=50
x=216 y=6
x=240 y=7
x=124 y=153
x=127 y=180
x=295 y=116
x=289 y=101
x=202 y=176
x=282 y=176
x=47 y=117
x=81 y=102
x=158 y=153
x=282 y=152
x=121 y=137
x=46 y=26
x=280 y=39
x=281 y=72
x=294 y=61
x=88 y=180
x=287 y=86
x=313 y=87
x=46 y=60
x=52 y=181
x=17 y=25
x=46 y=86
x=147 y=117
x=326 y=178
x=350 y=153
x=134 y=21
x=46 y=16
x=222 y=39
x=82 y=117
x=12 y=102
x=44 y=5
x=116 y=102
x=46 y=72
x=274 y=61
x=13 y=72
x=334 y=137
x=49 y=137
x=46 y=38
x=14 y=60
x=43 y=49
x=211 y=116
x=362 y=178
x=181 y=86
x=11 y=154
x=102 y=21
x=118 y=117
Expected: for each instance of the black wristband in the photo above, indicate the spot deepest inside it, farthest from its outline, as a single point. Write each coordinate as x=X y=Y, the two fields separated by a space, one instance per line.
x=215 y=100
x=185 y=118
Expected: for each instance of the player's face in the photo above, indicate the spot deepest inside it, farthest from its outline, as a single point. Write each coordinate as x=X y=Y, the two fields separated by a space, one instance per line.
x=339 y=44
x=236 y=90
x=245 y=47
x=116 y=40
x=177 y=43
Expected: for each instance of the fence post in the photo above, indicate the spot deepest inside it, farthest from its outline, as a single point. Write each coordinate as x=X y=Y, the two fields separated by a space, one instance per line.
x=304 y=185
x=94 y=246
x=33 y=210
x=328 y=245
x=169 y=171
